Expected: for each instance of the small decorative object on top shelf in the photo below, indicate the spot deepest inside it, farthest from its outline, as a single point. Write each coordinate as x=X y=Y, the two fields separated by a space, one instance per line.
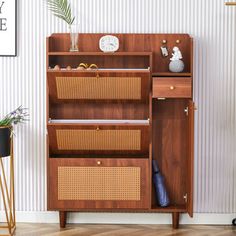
x=164 y=49
x=109 y=43
x=176 y=65
x=74 y=37
x=62 y=10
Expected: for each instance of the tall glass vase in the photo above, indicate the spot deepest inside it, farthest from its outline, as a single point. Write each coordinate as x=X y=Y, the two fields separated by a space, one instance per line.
x=74 y=37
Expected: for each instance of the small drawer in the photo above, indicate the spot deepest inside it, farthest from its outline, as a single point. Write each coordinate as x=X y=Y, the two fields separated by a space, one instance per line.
x=98 y=183
x=98 y=139
x=172 y=87
x=74 y=86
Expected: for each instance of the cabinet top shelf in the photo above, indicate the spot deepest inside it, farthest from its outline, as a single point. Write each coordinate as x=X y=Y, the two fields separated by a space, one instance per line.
x=171 y=74
x=99 y=53
x=100 y=122
x=133 y=70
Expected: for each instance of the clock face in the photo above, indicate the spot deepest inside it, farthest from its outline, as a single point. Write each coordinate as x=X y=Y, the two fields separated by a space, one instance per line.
x=109 y=43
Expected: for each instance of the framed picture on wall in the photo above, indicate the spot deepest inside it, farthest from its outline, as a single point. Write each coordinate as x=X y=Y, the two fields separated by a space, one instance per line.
x=8 y=31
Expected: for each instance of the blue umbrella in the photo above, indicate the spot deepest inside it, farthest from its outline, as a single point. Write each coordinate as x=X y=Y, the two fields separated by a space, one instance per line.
x=158 y=180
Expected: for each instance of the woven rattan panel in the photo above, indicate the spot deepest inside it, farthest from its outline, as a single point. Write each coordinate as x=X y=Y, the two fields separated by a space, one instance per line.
x=98 y=88
x=98 y=140
x=99 y=183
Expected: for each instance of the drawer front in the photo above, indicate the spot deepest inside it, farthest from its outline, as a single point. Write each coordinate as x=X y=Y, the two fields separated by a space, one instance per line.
x=98 y=183
x=172 y=87
x=108 y=86
x=76 y=139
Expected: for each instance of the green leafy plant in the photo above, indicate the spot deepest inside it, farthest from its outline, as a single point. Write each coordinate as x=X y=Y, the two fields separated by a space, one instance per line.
x=62 y=10
x=19 y=115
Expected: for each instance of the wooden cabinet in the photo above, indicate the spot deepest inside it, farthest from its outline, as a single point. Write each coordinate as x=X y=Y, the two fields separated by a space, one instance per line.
x=106 y=125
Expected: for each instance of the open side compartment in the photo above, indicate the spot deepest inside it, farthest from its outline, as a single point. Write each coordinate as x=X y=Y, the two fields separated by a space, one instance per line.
x=170 y=149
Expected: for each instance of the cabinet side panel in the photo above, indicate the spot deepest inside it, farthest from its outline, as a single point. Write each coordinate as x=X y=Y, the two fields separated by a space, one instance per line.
x=190 y=158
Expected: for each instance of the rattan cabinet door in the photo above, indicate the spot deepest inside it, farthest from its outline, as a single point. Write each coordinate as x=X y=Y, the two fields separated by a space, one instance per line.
x=98 y=184
x=104 y=139
x=72 y=86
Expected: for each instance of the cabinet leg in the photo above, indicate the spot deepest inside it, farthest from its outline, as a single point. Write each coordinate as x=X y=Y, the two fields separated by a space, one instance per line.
x=175 y=220
x=62 y=215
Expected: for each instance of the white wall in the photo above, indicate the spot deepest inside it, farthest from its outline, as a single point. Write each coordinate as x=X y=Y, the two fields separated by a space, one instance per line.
x=211 y=24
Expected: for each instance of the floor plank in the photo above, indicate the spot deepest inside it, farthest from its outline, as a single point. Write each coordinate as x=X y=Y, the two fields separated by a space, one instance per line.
x=122 y=230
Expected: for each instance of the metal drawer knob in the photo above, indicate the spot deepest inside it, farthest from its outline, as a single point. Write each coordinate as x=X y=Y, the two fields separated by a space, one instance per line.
x=172 y=87
x=97 y=129
x=99 y=162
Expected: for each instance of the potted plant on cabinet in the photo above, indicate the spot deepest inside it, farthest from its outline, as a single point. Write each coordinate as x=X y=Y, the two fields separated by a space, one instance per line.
x=15 y=117
x=62 y=10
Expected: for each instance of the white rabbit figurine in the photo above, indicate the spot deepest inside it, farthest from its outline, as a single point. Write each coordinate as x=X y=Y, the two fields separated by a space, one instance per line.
x=177 y=55
x=176 y=65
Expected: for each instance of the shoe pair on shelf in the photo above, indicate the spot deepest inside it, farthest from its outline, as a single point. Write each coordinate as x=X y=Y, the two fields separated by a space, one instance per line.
x=83 y=66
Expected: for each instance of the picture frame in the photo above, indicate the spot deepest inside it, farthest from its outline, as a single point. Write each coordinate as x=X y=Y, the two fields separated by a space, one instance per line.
x=8 y=28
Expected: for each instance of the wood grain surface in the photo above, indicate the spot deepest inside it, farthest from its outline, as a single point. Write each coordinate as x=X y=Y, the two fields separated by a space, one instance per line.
x=170 y=146
x=172 y=87
x=168 y=138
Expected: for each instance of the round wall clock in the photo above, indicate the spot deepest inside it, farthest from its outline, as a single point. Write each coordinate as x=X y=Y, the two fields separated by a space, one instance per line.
x=109 y=43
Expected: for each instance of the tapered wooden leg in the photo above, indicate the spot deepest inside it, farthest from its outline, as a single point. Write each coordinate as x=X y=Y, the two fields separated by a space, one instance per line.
x=175 y=220
x=62 y=219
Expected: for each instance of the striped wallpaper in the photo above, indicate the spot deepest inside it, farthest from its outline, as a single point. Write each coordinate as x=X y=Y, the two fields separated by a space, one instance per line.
x=211 y=24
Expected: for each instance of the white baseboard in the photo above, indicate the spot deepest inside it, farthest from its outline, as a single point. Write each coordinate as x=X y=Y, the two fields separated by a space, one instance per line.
x=121 y=218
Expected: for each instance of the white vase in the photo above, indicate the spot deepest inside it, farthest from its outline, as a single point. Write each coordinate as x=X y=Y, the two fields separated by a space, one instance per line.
x=176 y=66
x=74 y=37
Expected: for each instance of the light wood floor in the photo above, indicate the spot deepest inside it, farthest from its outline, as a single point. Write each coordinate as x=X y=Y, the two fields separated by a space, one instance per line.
x=122 y=230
